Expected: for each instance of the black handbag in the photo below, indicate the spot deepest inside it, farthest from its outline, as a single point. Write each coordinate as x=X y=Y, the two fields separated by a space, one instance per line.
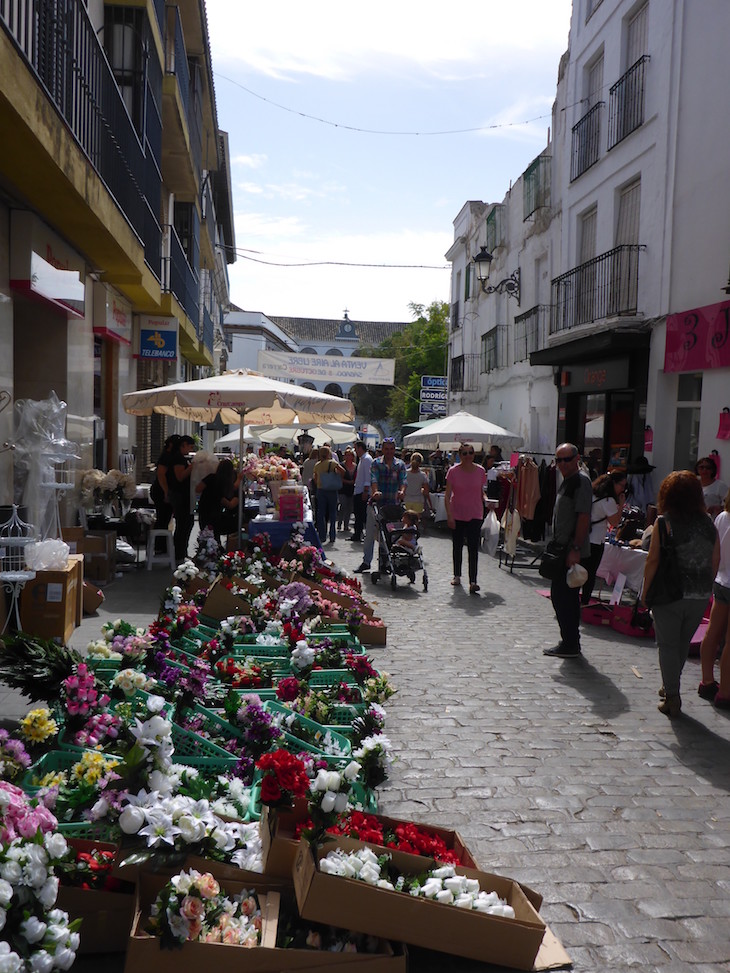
x=552 y=560
x=666 y=585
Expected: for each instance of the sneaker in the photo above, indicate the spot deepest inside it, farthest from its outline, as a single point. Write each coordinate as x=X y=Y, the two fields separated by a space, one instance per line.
x=708 y=690
x=722 y=702
x=560 y=651
x=362 y=567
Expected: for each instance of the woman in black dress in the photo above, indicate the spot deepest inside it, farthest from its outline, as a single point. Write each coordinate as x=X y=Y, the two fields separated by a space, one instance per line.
x=218 y=503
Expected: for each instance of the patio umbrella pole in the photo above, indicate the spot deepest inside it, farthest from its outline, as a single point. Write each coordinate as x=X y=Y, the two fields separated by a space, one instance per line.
x=241 y=493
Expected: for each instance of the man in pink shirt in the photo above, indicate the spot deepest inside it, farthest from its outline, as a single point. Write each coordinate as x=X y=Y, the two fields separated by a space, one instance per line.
x=464 y=502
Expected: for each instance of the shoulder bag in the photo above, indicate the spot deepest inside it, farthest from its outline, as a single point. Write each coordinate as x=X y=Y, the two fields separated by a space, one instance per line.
x=666 y=585
x=330 y=479
x=552 y=560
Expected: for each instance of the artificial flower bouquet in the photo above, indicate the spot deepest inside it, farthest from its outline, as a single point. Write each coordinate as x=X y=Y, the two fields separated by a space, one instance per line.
x=37 y=937
x=98 y=487
x=265 y=469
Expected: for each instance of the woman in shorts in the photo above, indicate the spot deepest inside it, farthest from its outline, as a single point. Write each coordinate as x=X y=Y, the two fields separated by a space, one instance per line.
x=718 y=629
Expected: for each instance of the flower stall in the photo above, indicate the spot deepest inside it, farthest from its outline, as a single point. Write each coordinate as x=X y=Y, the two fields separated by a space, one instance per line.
x=185 y=761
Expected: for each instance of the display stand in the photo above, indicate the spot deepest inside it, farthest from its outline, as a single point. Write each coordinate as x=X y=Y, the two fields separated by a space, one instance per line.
x=61 y=483
x=15 y=535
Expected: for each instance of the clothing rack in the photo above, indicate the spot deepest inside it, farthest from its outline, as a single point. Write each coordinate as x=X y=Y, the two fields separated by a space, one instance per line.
x=527 y=555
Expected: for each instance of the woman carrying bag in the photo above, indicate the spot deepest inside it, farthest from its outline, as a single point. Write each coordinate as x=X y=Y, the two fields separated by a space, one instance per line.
x=327 y=476
x=681 y=565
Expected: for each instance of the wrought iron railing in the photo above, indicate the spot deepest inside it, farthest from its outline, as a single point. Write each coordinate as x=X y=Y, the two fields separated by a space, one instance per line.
x=604 y=287
x=626 y=102
x=180 y=279
x=493 y=351
x=586 y=144
x=58 y=41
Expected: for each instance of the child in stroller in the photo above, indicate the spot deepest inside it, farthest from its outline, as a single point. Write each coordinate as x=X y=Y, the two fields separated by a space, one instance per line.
x=398 y=549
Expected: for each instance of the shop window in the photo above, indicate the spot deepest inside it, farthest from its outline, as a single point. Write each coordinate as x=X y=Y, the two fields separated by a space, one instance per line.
x=687 y=429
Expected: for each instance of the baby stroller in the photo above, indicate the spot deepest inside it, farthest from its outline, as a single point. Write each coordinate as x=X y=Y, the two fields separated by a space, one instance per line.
x=393 y=560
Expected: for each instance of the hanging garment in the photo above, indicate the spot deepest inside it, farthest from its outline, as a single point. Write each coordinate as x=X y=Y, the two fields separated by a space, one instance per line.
x=528 y=488
x=511 y=523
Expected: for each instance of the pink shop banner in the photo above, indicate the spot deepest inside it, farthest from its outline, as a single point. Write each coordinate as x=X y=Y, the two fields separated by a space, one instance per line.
x=698 y=339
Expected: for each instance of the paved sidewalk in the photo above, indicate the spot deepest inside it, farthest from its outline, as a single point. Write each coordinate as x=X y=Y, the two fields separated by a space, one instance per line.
x=561 y=774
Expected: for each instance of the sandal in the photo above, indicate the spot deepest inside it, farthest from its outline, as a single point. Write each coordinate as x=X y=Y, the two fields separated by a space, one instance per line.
x=456 y=583
x=722 y=702
x=473 y=588
x=708 y=690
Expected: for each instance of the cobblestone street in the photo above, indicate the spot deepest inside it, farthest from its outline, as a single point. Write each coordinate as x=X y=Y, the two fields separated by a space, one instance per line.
x=561 y=774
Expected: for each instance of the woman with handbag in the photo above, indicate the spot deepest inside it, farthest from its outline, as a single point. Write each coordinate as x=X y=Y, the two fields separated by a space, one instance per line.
x=327 y=476
x=681 y=565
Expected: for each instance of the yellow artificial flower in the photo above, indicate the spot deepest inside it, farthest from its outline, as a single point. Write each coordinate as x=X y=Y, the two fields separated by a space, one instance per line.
x=37 y=726
x=53 y=779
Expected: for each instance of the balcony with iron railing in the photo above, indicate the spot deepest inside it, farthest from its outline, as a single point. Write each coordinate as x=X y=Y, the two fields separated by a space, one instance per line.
x=180 y=279
x=181 y=114
x=605 y=287
x=62 y=49
x=586 y=142
x=626 y=102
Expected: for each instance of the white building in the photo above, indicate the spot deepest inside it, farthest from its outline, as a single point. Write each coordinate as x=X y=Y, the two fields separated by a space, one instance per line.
x=625 y=213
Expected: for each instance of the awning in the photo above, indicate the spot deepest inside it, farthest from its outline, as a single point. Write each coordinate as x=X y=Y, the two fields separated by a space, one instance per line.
x=600 y=345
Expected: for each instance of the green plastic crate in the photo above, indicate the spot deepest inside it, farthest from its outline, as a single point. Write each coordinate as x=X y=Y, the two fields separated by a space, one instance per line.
x=263 y=694
x=204 y=632
x=51 y=762
x=330 y=677
x=316 y=728
x=242 y=650
x=360 y=794
x=189 y=745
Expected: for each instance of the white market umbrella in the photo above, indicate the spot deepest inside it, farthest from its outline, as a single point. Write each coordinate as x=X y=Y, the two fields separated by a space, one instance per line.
x=233 y=439
x=236 y=397
x=324 y=432
x=463 y=427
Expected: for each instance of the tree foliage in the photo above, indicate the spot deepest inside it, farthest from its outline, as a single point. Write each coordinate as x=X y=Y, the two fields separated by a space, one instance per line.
x=419 y=349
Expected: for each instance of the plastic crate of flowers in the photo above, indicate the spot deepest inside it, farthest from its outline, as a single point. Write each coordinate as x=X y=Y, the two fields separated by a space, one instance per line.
x=301 y=733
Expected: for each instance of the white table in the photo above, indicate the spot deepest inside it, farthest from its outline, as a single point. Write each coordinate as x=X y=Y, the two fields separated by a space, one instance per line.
x=628 y=561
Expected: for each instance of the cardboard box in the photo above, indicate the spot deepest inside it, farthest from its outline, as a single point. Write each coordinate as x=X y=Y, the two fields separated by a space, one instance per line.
x=49 y=603
x=100 y=561
x=356 y=905
x=74 y=537
x=372 y=634
x=221 y=602
x=78 y=559
x=279 y=846
x=144 y=953
x=92 y=598
x=107 y=916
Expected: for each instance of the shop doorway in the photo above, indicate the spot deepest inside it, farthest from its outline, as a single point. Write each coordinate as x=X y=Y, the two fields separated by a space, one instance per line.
x=603 y=426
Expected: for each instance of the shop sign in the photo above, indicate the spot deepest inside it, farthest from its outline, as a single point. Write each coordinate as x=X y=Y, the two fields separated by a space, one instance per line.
x=112 y=315
x=434 y=382
x=157 y=338
x=698 y=339
x=432 y=408
x=43 y=266
x=597 y=376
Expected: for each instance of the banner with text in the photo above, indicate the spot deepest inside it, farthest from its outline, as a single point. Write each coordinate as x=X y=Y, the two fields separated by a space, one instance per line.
x=698 y=339
x=327 y=368
x=433 y=398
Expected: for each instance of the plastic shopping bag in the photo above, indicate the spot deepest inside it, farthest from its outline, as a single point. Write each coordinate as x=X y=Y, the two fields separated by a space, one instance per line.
x=490 y=534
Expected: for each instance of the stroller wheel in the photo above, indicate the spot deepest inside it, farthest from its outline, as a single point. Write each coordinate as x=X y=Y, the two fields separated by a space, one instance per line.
x=393 y=581
x=412 y=576
x=375 y=576
x=425 y=581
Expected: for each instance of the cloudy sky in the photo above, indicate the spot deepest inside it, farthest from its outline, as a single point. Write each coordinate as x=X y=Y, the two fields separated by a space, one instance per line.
x=357 y=133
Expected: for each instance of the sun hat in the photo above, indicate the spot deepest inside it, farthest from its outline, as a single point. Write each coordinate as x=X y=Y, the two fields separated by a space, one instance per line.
x=640 y=465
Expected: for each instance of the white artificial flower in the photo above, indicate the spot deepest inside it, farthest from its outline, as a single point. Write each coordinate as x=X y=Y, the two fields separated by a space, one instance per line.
x=11 y=872
x=49 y=893
x=131 y=819
x=6 y=893
x=64 y=959
x=56 y=844
x=41 y=962
x=352 y=770
x=328 y=802
x=100 y=809
x=192 y=830
x=340 y=803
x=34 y=874
x=10 y=962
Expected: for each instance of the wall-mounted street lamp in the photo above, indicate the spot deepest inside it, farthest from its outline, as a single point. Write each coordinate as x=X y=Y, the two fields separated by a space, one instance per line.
x=510 y=285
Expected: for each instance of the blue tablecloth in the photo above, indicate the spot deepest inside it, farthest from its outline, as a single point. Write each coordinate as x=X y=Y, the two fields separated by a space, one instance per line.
x=280 y=531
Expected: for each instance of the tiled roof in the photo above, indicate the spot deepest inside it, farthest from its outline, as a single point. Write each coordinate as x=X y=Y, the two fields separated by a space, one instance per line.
x=325 y=330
